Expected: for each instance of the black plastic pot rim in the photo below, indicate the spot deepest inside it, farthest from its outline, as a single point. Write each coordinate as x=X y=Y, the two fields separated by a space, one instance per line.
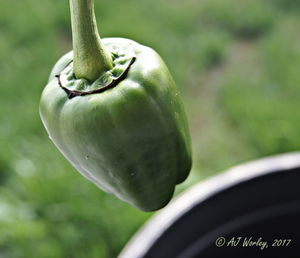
x=157 y=225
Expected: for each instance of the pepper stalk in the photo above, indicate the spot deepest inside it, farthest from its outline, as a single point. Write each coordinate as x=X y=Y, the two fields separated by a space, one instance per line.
x=91 y=58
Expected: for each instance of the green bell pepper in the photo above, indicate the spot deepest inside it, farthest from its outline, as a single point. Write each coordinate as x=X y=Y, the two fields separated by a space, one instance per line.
x=113 y=110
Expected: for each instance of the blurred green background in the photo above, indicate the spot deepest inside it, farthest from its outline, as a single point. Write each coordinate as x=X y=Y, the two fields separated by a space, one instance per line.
x=237 y=64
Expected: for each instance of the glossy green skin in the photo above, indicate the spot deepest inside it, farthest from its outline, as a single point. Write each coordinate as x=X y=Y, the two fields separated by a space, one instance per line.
x=131 y=140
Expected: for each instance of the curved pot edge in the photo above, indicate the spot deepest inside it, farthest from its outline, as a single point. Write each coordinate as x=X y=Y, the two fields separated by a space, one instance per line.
x=152 y=230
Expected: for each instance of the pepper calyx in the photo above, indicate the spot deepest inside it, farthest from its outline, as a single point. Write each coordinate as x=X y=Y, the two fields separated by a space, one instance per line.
x=123 y=58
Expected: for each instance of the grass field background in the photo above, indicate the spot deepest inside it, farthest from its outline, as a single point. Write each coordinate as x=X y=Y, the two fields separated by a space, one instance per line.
x=237 y=64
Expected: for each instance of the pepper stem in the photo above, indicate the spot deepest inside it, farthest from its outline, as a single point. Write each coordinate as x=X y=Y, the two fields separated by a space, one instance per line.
x=91 y=58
